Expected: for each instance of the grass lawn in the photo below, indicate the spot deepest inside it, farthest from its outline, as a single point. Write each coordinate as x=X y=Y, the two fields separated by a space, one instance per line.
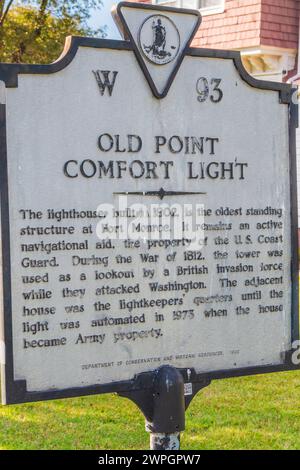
x=261 y=412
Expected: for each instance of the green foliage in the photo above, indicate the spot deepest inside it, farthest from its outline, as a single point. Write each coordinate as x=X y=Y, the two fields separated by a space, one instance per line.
x=34 y=32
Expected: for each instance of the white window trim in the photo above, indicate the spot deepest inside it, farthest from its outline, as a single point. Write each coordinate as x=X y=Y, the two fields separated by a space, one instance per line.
x=214 y=10
x=163 y=3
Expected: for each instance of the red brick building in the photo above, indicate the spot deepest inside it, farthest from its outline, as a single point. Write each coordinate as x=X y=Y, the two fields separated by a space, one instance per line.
x=265 y=31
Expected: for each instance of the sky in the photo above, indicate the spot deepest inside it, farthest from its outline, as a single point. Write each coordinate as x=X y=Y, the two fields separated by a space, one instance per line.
x=102 y=17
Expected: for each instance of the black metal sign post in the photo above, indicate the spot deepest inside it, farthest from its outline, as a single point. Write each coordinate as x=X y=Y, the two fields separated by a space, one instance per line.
x=163 y=396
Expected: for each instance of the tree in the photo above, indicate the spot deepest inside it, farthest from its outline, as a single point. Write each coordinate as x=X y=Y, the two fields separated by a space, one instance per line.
x=34 y=31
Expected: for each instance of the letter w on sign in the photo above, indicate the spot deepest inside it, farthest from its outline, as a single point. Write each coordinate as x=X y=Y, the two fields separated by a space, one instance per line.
x=105 y=80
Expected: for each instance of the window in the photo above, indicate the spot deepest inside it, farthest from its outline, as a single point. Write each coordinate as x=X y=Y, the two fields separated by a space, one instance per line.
x=207 y=7
x=210 y=6
x=210 y=3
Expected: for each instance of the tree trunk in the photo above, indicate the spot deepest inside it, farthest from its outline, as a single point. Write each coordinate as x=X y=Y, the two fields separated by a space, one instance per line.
x=41 y=21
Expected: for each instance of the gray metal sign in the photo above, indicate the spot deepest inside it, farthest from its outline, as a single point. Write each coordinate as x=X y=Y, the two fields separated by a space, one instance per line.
x=148 y=215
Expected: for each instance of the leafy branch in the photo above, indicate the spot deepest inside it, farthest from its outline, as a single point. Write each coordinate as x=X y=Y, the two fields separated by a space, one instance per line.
x=34 y=30
x=4 y=9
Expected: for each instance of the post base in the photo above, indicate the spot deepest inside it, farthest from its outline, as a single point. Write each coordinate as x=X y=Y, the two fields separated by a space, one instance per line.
x=160 y=441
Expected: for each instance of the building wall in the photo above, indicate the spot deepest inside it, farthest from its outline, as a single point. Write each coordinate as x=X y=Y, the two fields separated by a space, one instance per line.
x=280 y=23
x=237 y=27
x=248 y=23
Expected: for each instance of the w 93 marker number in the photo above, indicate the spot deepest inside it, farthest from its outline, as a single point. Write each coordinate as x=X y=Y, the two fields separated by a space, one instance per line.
x=209 y=89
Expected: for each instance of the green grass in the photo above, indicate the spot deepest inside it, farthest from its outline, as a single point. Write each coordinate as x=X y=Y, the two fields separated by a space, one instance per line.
x=261 y=412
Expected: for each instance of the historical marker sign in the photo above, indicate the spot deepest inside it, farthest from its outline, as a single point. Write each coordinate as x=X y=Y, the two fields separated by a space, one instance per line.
x=148 y=213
